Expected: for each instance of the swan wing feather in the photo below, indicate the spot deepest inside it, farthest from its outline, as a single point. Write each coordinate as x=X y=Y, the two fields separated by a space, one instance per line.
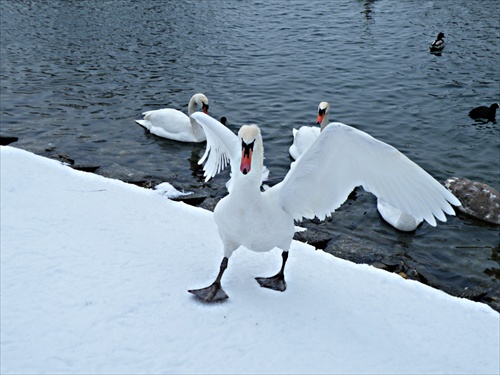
x=222 y=146
x=343 y=158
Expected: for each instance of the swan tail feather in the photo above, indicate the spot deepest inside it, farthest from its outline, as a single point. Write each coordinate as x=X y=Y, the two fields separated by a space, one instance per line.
x=144 y=123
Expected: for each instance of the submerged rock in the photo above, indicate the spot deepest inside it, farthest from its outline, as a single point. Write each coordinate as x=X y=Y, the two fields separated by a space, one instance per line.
x=317 y=239
x=85 y=167
x=65 y=159
x=4 y=140
x=478 y=199
x=193 y=200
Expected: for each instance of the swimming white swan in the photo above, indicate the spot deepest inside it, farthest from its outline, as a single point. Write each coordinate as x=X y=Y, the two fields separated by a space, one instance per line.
x=173 y=124
x=305 y=137
x=319 y=181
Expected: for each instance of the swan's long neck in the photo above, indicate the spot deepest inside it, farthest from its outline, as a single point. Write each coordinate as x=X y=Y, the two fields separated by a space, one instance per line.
x=323 y=114
x=192 y=106
x=197 y=129
x=326 y=120
x=246 y=187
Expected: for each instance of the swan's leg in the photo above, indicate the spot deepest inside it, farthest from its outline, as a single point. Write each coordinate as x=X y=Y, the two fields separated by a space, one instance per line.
x=214 y=292
x=276 y=282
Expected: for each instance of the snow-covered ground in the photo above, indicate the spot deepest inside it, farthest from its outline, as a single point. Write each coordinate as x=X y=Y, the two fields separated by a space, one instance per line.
x=95 y=273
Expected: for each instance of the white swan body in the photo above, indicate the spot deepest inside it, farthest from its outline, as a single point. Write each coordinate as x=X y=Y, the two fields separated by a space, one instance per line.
x=173 y=124
x=317 y=184
x=397 y=218
x=239 y=225
x=305 y=137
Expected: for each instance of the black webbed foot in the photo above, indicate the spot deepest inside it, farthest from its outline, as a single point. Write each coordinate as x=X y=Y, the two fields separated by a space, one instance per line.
x=212 y=293
x=276 y=282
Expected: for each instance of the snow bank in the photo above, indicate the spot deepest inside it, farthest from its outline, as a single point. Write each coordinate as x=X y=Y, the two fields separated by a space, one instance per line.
x=94 y=279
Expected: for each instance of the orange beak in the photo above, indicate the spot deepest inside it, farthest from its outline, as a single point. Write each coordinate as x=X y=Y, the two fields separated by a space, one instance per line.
x=319 y=120
x=246 y=160
x=204 y=107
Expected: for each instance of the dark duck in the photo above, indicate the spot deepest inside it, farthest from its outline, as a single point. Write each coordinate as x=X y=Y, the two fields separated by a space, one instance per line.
x=438 y=44
x=483 y=113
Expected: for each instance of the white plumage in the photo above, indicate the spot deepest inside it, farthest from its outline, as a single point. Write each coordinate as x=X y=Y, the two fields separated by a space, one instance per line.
x=305 y=137
x=397 y=218
x=173 y=124
x=317 y=184
x=302 y=139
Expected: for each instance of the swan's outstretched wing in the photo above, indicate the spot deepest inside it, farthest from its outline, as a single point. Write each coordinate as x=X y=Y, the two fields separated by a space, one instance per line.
x=342 y=158
x=222 y=146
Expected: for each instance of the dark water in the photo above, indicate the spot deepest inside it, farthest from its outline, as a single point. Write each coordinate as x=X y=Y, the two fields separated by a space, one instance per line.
x=75 y=75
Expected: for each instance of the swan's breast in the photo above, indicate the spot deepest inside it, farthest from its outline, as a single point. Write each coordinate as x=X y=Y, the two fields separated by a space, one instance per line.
x=258 y=224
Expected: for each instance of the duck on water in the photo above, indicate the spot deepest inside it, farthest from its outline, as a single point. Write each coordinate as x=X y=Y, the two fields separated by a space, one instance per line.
x=484 y=114
x=438 y=44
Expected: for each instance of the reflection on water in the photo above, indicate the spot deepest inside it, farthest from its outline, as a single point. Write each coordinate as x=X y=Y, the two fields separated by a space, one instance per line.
x=368 y=9
x=74 y=80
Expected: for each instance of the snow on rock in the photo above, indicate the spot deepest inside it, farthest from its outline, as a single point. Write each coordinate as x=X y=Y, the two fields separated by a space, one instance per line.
x=169 y=191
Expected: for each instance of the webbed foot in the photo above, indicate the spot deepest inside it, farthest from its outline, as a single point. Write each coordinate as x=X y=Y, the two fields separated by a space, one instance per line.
x=276 y=282
x=212 y=293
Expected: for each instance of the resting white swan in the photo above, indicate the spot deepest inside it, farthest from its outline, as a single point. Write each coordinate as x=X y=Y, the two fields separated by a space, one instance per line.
x=173 y=124
x=319 y=181
x=305 y=137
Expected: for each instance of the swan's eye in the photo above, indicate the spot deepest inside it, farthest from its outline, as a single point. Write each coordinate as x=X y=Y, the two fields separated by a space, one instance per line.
x=247 y=148
x=321 y=111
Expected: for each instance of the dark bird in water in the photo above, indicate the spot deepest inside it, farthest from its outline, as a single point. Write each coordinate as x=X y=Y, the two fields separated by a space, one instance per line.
x=438 y=44
x=484 y=113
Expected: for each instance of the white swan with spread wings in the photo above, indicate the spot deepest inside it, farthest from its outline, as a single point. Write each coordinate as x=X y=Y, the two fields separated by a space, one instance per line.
x=320 y=180
x=306 y=135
